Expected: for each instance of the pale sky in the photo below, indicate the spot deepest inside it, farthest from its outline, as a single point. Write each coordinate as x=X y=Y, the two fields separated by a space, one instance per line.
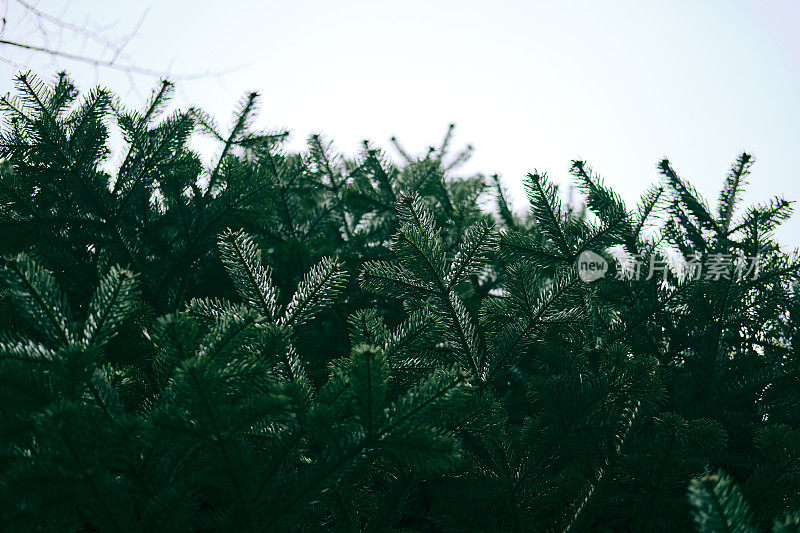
x=531 y=85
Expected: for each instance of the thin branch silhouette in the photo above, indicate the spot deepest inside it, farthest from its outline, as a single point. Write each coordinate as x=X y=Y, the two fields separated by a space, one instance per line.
x=46 y=25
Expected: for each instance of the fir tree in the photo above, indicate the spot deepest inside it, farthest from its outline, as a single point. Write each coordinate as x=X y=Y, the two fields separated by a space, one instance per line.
x=306 y=341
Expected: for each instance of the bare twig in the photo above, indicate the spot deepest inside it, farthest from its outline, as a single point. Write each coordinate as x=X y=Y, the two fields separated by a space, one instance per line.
x=112 y=64
x=114 y=49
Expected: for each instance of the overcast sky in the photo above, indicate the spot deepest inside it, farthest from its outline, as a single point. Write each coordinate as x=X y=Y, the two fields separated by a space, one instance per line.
x=532 y=85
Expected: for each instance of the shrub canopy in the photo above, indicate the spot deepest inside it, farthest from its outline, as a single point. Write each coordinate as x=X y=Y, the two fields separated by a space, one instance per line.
x=305 y=341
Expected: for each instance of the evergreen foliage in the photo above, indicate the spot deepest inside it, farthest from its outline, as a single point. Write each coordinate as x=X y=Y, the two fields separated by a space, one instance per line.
x=303 y=341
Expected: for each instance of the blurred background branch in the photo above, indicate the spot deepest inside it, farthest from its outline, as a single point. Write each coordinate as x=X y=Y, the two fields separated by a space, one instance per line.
x=26 y=30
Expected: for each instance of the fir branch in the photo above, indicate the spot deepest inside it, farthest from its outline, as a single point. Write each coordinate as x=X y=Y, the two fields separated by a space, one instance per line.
x=244 y=116
x=368 y=377
x=316 y=291
x=38 y=297
x=503 y=206
x=686 y=196
x=718 y=505
x=112 y=303
x=242 y=260
x=392 y=280
x=478 y=243
x=736 y=180
x=546 y=207
x=648 y=204
x=604 y=202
